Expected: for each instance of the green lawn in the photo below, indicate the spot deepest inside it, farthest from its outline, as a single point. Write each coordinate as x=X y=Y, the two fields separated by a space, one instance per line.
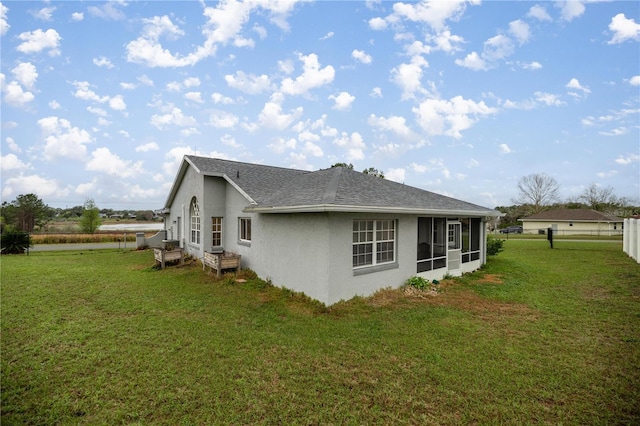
x=537 y=336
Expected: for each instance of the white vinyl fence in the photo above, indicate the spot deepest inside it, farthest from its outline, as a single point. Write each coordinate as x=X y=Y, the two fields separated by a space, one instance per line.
x=631 y=238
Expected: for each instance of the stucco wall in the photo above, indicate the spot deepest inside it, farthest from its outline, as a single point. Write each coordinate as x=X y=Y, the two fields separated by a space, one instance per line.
x=305 y=252
x=577 y=228
x=192 y=185
x=292 y=250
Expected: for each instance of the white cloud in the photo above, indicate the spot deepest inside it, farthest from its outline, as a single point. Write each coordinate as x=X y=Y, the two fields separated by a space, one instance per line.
x=102 y=62
x=570 y=9
x=531 y=65
x=635 y=80
x=4 y=25
x=619 y=131
x=497 y=47
x=194 y=97
x=312 y=76
x=574 y=85
x=343 y=101
x=104 y=161
x=286 y=66
x=224 y=25
x=472 y=61
x=248 y=83
x=623 y=29
x=353 y=145
x=361 y=56
x=175 y=118
x=219 y=98
x=396 y=124
x=223 y=120
x=229 y=140
x=147 y=147
x=62 y=139
x=191 y=82
x=376 y=92
x=13 y=146
x=24 y=184
x=396 y=175
x=54 y=104
x=409 y=77
x=548 y=99
x=327 y=36
x=272 y=116
x=43 y=14
x=377 y=24
x=77 y=16
x=539 y=12
x=109 y=11
x=626 y=160
x=38 y=40
x=84 y=92
x=117 y=103
x=504 y=149
x=442 y=117
x=433 y=13
x=312 y=149
x=14 y=95
x=446 y=41
x=97 y=111
x=280 y=145
x=26 y=74
x=11 y=162
x=520 y=30
x=189 y=131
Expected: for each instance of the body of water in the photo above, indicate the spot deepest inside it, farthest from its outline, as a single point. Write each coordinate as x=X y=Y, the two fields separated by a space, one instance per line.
x=131 y=227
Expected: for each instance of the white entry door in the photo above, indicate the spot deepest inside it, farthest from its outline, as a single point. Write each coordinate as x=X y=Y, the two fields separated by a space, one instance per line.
x=454 y=247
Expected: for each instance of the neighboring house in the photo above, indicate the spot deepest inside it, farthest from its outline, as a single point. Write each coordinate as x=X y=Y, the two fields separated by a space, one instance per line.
x=332 y=234
x=573 y=222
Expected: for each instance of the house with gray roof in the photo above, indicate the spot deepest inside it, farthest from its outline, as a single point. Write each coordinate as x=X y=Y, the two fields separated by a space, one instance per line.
x=573 y=222
x=332 y=234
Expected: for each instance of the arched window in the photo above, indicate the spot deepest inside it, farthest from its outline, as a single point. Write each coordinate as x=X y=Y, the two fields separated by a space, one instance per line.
x=194 y=212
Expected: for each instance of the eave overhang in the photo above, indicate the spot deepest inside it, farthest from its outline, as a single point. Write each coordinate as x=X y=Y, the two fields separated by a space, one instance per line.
x=323 y=208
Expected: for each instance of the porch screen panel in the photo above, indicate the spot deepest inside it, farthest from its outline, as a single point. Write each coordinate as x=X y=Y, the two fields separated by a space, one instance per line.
x=439 y=242
x=425 y=235
x=475 y=238
x=465 y=239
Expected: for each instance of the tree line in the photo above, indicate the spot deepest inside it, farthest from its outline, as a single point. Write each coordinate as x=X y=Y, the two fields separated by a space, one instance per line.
x=28 y=212
x=540 y=192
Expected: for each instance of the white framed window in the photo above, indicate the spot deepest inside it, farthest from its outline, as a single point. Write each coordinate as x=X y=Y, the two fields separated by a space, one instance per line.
x=374 y=242
x=194 y=212
x=244 y=226
x=216 y=231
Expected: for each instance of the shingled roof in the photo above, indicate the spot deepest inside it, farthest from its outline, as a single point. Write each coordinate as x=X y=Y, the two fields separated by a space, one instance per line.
x=278 y=190
x=572 y=215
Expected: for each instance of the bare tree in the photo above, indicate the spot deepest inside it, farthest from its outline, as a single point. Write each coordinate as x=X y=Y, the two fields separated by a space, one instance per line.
x=599 y=198
x=537 y=190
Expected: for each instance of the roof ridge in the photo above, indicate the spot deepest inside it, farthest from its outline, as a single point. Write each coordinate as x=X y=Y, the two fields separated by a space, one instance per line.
x=331 y=190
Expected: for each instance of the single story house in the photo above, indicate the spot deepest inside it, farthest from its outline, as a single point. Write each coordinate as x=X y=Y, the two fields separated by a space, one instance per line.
x=573 y=222
x=331 y=234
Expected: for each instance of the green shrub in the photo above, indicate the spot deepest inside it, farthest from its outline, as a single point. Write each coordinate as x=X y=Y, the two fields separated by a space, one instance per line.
x=15 y=242
x=418 y=282
x=494 y=245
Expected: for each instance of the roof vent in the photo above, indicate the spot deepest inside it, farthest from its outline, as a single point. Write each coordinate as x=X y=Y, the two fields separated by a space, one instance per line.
x=238 y=173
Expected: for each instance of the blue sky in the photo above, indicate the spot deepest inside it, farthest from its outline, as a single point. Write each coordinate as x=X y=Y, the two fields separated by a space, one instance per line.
x=101 y=100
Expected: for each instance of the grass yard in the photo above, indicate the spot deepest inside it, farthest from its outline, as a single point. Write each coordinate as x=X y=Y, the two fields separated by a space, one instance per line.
x=537 y=336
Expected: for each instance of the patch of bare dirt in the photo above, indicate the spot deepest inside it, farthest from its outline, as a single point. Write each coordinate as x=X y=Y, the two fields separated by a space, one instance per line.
x=449 y=293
